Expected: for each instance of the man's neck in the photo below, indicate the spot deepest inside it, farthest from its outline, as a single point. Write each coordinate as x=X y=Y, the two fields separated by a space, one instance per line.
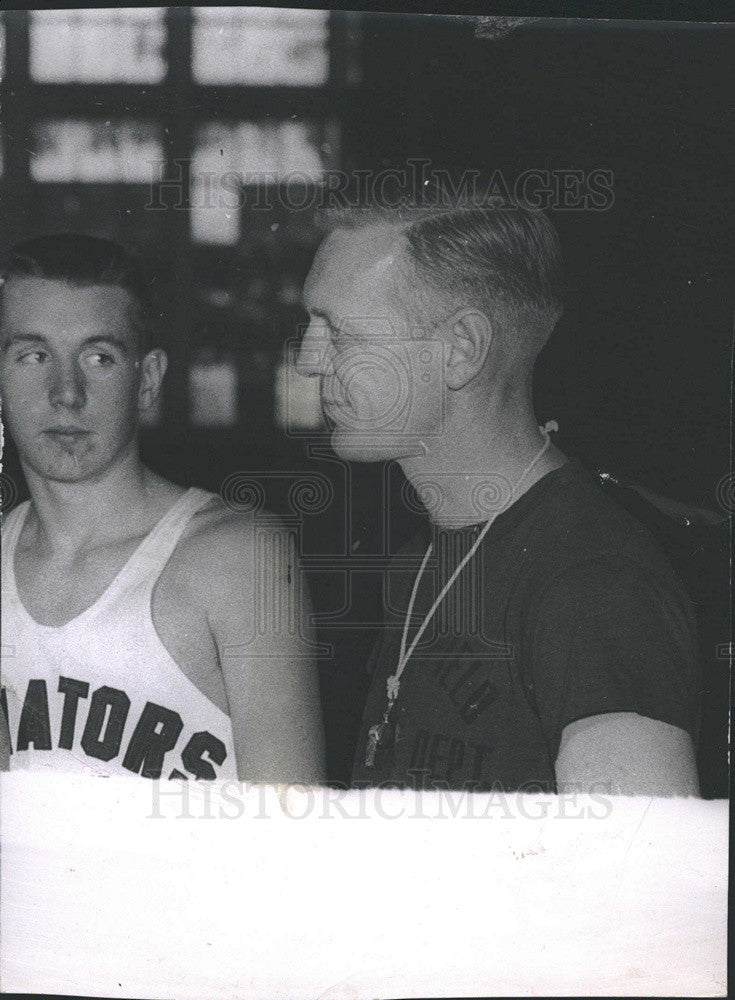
x=481 y=464
x=73 y=517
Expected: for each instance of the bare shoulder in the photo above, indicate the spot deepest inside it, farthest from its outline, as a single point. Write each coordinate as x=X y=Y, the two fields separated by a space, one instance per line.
x=221 y=545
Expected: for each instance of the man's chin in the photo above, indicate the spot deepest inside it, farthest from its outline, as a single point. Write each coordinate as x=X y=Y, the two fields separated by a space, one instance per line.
x=80 y=475
x=70 y=469
x=354 y=446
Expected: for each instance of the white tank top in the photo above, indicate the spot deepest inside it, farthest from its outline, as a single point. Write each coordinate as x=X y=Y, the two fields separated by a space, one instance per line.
x=101 y=694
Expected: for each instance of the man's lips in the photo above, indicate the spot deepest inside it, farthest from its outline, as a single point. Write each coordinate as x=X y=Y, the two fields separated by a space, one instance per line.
x=67 y=432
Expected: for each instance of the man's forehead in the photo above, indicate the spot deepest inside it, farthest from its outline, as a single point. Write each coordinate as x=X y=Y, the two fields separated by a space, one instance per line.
x=27 y=300
x=356 y=258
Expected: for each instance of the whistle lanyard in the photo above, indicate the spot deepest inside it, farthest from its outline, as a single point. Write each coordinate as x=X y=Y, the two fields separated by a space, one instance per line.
x=379 y=734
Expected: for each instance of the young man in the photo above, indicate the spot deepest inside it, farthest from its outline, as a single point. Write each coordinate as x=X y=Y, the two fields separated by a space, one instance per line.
x=146 y=629
x=540 y=640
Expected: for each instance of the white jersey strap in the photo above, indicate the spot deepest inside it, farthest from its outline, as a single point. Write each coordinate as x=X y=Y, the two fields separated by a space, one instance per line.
x=142 y=569
x=147 y=562
x=12 y=527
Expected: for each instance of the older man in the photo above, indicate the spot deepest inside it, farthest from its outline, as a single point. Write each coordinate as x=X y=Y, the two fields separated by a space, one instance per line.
x=538 y=639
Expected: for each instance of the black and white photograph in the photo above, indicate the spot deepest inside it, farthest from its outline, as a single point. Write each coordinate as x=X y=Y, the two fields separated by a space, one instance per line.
x=367 y=500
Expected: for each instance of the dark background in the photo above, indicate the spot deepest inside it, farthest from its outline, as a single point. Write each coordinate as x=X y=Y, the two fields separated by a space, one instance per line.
x=638 y=372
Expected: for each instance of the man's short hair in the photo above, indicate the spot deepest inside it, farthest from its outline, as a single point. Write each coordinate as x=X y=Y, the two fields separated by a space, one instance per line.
x=82 y=260
x=505 y=261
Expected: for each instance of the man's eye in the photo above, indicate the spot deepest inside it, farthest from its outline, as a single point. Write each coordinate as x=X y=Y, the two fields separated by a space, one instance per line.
x=99 y=359
x=32 y=357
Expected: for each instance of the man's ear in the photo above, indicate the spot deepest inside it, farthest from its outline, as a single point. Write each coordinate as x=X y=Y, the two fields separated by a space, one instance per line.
x=153 y=367
x=470 y=334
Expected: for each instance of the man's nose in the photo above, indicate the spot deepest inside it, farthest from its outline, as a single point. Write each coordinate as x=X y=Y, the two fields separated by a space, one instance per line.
x=314 y=355
x=67 y=386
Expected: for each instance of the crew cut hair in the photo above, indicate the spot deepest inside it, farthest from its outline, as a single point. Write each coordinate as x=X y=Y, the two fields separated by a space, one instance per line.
x=82 y=260
x=504 y=260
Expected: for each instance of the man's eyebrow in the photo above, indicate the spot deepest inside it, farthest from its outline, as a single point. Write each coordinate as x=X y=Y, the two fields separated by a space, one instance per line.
x=23 y=338
x=37 y=338
x=109 y=338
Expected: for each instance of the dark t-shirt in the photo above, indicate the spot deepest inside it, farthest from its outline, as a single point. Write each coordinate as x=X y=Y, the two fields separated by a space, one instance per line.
x=568 y=609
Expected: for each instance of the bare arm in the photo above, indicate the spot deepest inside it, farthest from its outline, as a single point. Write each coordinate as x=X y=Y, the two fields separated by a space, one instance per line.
x=259 y=620
x=626 y=754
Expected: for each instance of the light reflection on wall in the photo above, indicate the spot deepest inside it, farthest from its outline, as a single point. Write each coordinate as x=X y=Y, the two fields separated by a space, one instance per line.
x=112 y=150
x=260 y=46
x=227 y=156
x=212 y=383
x=101 y=46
